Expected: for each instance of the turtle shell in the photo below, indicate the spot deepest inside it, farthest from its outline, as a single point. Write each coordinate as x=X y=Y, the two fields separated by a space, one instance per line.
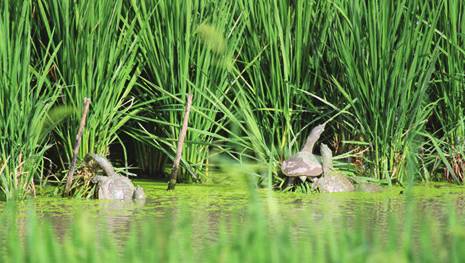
x=302 y=164
x=116 y=188
x=334 y=183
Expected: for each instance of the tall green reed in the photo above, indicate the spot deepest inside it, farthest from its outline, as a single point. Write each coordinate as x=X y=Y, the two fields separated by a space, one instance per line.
x=26 y=98
x=96 y=59
x=387 y=56
x=279 y=64
x=449 y=124
x=187 y=46
x=262 y=73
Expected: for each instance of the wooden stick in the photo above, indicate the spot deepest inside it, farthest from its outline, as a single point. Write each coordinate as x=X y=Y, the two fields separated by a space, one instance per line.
x=20 y=168
x=182 y=136
x=33 y=187
x=72 y=167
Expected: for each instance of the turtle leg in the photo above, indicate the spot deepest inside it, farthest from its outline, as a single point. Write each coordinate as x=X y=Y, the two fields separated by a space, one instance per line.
x=315 y=184
x=138 y=193
x=290 y=181
x=326 y=159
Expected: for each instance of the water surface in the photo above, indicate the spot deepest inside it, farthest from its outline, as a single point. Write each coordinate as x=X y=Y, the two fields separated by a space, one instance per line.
x=208 y=205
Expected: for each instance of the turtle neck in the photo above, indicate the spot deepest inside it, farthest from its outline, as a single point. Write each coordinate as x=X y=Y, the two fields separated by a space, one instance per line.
x=311 y=140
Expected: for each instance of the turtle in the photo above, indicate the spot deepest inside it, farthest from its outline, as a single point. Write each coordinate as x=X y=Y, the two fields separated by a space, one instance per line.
x=305 y=164
x=331 y=181
x=368 y=187
x=114 y=186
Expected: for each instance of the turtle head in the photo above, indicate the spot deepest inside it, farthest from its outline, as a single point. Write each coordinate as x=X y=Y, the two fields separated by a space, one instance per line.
x=318 y=130
x=138 y=193
x=326 y=158
x=313 y=137
x=99 y=179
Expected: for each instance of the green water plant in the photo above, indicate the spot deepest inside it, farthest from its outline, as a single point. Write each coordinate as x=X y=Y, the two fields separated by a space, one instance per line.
x=449 y=125
x=26 y=100
x=281 y=62
x=96 y=59
x=389 y=76
x=387 y=56
x=189 y=52
x=273 y=99
x=258 y=234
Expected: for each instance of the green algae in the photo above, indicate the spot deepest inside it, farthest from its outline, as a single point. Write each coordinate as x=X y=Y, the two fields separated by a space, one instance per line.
x=211 y=212
x=226 y=197
x=209 y=204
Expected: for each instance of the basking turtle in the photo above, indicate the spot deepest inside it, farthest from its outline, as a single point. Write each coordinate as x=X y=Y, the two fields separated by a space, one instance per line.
x=368 y=187
x=331 y=181
x=114 y=186
x=304 y=163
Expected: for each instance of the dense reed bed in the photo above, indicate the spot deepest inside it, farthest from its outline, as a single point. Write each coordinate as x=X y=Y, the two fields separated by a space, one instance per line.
x=389 y=75
x=449 y=89
x=26 y=98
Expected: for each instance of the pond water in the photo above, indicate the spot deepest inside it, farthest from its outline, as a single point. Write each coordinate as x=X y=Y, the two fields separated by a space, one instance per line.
x=208 y=205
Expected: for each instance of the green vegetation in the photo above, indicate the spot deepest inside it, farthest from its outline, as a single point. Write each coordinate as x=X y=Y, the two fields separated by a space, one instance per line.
x=388 y=57
x=450 y=89
x=184 y=54
x=388 y=75
x=258 y=235
x=26 y=98
x=96 y=58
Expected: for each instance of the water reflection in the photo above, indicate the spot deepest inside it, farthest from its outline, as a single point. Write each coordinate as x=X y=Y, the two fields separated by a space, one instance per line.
x=210 y=209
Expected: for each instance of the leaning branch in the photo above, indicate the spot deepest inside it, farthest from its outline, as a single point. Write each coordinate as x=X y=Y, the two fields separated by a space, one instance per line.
x=72 y=168
x=182 y=136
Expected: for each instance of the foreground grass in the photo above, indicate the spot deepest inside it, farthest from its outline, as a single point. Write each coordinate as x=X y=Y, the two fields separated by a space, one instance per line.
x=258 y=235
